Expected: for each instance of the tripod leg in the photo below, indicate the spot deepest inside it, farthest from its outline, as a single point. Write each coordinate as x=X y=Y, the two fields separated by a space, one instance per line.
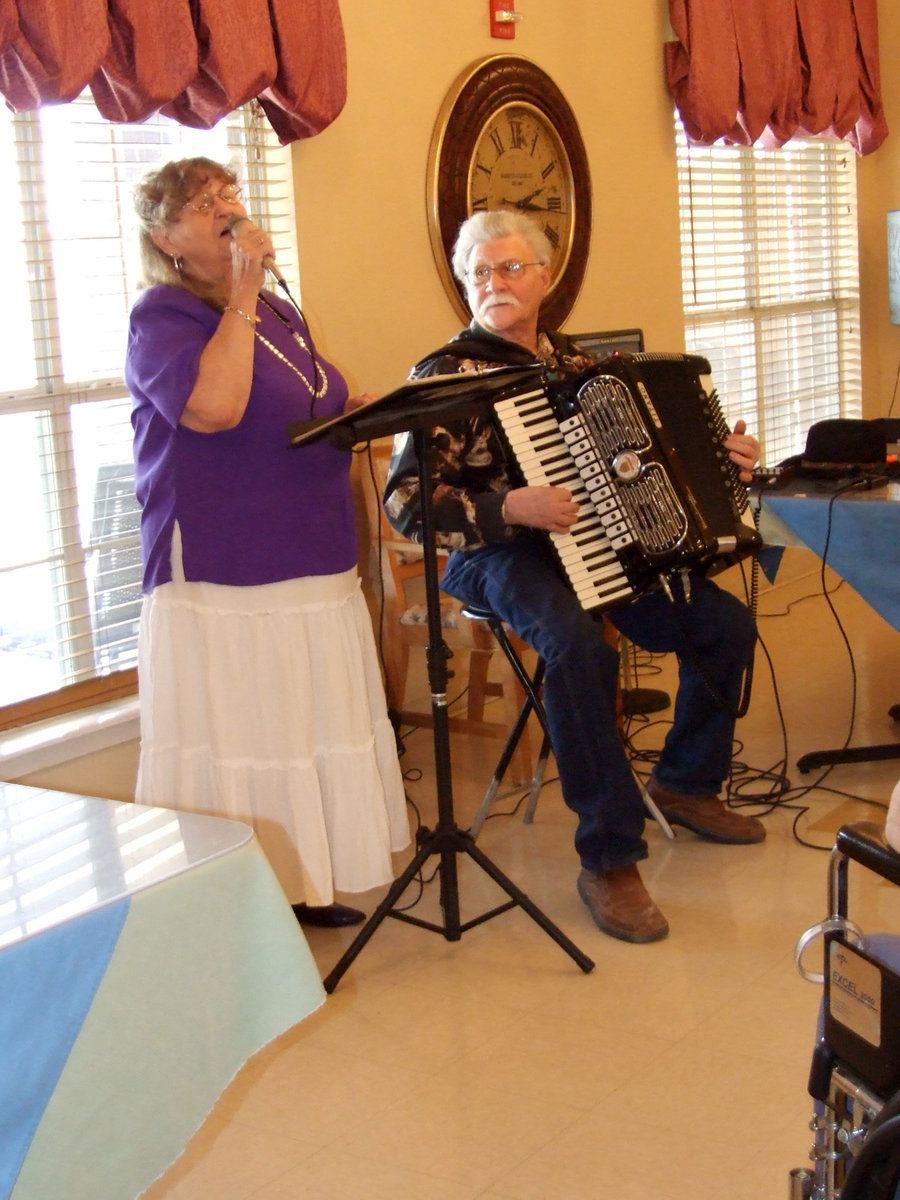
x=394 y=893
x=449 y=878
x=850 y=754
x=586 y=964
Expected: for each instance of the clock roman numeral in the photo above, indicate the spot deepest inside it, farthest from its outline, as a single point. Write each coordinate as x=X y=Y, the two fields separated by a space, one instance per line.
x=479 y=202
x=497 y=140
x=549 y=169
x=554 y=203
x=552 y=236
x=518 y=136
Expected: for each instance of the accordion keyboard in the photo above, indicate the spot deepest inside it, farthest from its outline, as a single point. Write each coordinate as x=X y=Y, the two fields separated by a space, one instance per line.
x=546 y=455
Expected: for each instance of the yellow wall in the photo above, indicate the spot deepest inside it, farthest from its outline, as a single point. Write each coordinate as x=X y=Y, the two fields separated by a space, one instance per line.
x=878 y=178
x=370 y=286
x=109 y=774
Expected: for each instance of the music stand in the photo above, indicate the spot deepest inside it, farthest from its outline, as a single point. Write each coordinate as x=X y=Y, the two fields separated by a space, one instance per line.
x=417 y=407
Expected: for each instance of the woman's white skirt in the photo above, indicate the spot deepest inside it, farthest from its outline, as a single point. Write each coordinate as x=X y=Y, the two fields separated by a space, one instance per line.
x=266 y=704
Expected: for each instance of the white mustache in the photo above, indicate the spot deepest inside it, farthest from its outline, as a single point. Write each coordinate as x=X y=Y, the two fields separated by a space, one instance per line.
x=502 y=298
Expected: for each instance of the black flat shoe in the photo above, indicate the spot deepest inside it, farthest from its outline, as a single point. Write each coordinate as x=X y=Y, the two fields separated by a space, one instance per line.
x=328 y=916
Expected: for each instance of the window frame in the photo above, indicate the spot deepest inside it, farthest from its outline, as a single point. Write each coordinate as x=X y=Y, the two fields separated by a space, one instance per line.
x=265 y=172
x=776 y=377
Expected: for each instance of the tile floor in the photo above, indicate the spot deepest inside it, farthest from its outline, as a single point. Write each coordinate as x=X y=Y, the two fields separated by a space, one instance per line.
x=493 y=1067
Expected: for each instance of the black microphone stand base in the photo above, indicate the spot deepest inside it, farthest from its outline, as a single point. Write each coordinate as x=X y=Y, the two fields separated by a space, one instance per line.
x=448 y=843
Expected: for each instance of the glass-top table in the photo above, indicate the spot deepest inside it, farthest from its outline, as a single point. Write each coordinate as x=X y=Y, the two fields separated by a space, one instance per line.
x=63 y=855
x=145 y=955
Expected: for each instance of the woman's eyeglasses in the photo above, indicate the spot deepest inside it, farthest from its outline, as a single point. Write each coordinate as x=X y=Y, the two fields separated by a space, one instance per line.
x=202 y=203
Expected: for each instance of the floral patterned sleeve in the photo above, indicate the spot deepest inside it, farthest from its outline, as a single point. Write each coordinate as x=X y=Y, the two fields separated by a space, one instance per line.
x=469 y=480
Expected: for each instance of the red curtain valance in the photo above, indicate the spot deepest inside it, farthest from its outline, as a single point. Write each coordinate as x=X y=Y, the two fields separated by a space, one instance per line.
x=193 y=60
x=763 y=71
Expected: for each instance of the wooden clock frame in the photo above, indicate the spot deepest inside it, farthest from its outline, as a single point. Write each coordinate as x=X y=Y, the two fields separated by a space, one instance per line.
x=479 y=93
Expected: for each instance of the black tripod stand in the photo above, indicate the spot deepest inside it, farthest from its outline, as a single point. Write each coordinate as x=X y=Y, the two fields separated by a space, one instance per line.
x=446 y=840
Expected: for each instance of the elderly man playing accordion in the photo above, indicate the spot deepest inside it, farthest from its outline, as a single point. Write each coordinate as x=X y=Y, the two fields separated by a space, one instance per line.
x=502 y=560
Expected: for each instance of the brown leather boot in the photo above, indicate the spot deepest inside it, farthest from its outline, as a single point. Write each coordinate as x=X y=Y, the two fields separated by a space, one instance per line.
x=621 y=905
x=706 y=816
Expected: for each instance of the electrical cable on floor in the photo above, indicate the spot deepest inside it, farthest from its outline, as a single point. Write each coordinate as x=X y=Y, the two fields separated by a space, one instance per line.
x=838 y=584
x=782 y=793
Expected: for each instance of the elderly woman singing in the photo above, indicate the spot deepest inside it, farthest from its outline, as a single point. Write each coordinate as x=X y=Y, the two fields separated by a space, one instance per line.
x=261 y=697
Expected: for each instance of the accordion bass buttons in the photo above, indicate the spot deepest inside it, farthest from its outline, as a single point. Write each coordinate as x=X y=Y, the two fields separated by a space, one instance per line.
x=627 y=466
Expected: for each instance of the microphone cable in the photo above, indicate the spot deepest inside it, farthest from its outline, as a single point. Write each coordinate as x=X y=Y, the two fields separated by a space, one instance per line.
x=271 y=266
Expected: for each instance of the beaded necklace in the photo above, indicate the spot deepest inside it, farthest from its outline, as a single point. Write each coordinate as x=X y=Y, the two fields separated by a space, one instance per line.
x=316 y=392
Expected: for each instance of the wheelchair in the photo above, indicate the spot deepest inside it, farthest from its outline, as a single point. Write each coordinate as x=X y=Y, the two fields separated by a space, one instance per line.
x=855 y=1074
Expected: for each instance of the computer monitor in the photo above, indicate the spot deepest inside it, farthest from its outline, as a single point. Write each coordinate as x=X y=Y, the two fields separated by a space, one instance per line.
x=601 y=344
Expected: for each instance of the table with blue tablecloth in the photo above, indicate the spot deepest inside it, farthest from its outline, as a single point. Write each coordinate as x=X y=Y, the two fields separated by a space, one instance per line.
x=145 y=955
x=854 y=526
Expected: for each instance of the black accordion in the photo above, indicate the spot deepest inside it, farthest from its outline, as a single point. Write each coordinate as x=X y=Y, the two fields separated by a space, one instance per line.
x=638 y=442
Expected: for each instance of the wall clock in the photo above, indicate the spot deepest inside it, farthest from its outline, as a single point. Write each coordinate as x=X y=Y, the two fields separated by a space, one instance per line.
x=506 y=137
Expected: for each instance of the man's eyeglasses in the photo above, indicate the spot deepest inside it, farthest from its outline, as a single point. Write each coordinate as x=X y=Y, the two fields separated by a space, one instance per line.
x=506 y=270
x=231 y=194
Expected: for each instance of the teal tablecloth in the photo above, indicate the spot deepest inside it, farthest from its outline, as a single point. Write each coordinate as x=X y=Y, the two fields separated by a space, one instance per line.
x=145 y=955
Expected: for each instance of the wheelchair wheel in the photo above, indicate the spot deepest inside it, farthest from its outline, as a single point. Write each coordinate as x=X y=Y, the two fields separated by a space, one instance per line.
x=875 y=1173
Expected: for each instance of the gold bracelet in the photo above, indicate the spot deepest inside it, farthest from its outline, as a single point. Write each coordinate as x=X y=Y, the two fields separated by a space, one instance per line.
x=240 y=312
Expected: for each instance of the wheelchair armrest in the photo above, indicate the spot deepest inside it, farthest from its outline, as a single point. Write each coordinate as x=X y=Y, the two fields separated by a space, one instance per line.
x=864 y=842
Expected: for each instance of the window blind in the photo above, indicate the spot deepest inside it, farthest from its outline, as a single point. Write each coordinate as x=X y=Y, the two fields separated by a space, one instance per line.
x=770 y=276
x=70 y=568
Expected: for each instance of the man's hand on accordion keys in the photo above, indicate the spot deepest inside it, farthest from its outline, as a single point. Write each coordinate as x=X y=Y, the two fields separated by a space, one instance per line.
x=743 y=449
x=548 y=508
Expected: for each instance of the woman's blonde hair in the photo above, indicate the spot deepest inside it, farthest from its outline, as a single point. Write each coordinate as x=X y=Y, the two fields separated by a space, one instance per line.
x=158 y=199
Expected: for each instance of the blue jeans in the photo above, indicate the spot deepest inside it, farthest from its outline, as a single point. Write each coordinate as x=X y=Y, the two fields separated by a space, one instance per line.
x=522 y=583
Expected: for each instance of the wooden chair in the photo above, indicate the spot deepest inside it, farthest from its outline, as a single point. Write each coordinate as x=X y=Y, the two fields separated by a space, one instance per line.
x=481 y=672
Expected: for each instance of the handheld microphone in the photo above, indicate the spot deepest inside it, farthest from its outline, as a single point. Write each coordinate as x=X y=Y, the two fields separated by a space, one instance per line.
x=268 y=262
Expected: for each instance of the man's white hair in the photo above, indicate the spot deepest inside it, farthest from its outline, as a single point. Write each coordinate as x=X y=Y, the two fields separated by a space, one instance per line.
x=484 y=227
